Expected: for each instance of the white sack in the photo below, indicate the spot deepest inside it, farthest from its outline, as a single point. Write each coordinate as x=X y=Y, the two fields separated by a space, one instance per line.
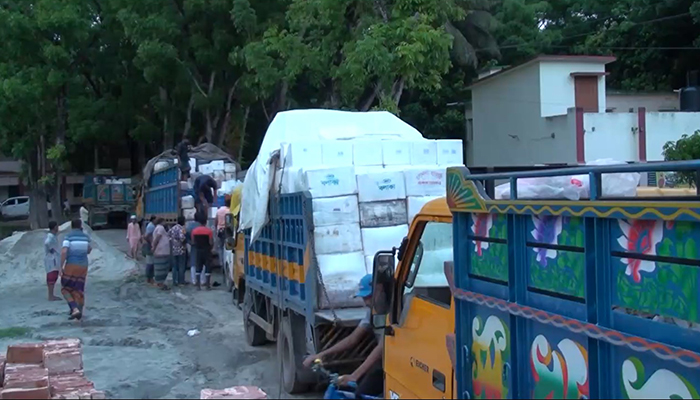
x=335 y=211
x=573 y=187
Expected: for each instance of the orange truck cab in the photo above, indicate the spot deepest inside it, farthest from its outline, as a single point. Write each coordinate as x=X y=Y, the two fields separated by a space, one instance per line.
x=416 y=360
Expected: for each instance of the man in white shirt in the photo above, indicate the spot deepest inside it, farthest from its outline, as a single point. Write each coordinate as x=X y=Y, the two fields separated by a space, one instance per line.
x=84 y=214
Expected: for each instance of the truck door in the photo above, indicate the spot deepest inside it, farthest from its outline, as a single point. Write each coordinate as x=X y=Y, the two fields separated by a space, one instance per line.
x=417 y=363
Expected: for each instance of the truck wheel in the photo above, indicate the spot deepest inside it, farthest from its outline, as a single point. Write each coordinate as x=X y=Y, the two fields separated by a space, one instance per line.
x=255 y=335
x=295 y=378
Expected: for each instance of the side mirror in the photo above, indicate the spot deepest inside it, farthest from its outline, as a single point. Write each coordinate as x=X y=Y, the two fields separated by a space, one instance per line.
x=382 y=287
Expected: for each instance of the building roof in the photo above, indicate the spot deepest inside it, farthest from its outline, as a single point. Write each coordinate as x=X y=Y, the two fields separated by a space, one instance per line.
x=550 y=58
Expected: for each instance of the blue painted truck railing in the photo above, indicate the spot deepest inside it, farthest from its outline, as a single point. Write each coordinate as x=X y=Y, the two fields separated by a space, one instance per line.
x=596 y=298
x=284 y=250
x=162 y=195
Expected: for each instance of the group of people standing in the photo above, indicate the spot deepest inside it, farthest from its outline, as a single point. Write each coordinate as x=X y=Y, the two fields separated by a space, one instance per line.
x=185 y=243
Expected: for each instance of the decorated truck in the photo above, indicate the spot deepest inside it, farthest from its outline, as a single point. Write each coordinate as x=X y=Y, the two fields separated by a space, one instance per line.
x=545 y=298
x=109 y=199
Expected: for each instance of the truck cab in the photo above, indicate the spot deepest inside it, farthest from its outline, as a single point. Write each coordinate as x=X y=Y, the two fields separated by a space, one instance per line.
x=421 y=316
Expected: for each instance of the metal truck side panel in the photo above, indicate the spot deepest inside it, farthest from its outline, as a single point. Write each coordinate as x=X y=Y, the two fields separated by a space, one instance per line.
x=596 y=298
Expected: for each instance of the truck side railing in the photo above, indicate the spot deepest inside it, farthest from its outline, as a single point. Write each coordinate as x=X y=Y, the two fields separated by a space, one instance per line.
x=597 y=298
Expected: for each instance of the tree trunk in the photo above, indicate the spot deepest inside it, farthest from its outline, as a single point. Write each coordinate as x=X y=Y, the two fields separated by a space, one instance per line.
x=56 y=198
x=188 y=121
x=38 y=212
x=167 y=134
x=241 y=141
x=280 y=100
x=223 y=133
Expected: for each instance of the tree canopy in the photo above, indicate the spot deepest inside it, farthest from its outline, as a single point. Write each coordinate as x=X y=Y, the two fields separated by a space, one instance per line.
x=85 y=82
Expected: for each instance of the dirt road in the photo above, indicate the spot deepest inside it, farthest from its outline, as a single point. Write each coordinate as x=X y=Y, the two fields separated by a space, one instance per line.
x=135 y=337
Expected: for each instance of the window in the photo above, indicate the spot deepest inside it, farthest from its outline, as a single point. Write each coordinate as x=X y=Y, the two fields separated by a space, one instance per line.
x=78 y=190
x=9 y=202
x=426 y=278
x=22 y=200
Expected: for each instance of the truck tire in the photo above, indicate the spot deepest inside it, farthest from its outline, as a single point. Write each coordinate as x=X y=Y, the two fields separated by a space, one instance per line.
x=255 y=335
x=295 y=378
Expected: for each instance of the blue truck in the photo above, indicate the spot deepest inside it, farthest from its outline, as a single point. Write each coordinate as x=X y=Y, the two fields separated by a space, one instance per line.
x=109 y=199
x=597 y=298
x=285 y=298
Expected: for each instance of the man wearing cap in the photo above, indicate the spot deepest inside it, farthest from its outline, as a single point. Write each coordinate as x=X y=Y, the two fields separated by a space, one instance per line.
x=370 y=374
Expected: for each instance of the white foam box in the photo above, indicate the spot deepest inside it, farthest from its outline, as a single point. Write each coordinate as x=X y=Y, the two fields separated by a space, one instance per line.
x=329 y=182
x=385 y=238
x=189 y=213
x=187 y=202
x=193 y=164
x=217 y=165
x=383 y=213
x=423 y=152
x=212 y=212
x=335 y=239
x=204 y=169
x=335 y=211
x=429 y=180
x=367 y=152
x=301 y=154
x=341 y=274
x=230 y=168
x=396 y=152
x=450 y=152
x=381 y=185
x=336 y=153
x=415 y=203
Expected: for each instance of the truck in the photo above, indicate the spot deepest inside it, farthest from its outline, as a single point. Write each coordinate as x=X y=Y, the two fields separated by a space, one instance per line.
x=277 y=281
x=537 y=298
x=109 y=199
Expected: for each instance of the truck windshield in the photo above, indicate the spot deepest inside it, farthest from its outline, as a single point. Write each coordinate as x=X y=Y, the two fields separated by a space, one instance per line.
x=427 y=265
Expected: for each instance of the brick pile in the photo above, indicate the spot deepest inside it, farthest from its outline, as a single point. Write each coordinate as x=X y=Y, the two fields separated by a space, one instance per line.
x=236 y=392
x=49 y=370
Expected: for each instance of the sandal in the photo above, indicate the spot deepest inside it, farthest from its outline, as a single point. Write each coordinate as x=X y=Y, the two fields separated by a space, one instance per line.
x=75 y=314
x=164 y=288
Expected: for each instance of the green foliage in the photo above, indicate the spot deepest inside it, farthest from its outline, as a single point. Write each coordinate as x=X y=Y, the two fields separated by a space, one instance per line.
x=685 y=148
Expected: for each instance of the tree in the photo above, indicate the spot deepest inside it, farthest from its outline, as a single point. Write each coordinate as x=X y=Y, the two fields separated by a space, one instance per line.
x=685 y=148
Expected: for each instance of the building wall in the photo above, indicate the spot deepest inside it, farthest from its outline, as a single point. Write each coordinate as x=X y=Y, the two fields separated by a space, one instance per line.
x=623 y=103
x=610 y=135
x=508 y=128
x=668 y=126
x=556 y=87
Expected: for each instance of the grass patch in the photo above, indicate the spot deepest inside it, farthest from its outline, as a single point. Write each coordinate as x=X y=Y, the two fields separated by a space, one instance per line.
x=15 y=332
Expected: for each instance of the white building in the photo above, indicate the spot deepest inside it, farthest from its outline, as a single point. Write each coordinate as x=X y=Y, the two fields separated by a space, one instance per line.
x=11 y=185
x=552 y=110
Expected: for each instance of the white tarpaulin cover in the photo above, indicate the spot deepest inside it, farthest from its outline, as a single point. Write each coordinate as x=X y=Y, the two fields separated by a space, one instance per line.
x=311 y=125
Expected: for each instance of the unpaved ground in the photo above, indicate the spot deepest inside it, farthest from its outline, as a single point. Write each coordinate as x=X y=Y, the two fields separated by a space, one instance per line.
x=135 y=337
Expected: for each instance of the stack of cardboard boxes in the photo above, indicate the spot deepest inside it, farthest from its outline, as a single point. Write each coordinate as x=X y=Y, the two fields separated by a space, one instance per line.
x=49 y=370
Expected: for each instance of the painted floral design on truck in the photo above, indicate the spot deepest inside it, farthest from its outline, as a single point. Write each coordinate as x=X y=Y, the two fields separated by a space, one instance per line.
x=560 y=373
x=661 y=384
x=490 y=358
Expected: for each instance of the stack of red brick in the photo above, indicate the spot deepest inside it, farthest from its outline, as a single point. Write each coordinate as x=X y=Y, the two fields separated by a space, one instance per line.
x=48 y=370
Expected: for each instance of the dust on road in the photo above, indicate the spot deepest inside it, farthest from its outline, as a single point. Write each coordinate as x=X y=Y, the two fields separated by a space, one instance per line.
x=135 y=337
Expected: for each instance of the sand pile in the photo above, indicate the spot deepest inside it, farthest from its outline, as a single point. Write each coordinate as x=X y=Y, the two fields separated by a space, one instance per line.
x=22 y=258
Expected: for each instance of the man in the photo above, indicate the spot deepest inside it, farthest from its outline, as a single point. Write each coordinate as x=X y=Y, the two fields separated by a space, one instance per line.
x=182 y=152
x=191 y=250
x=84 y=214
x=52 y=254
x=133 y=237
x=369 y=375
x=66 y=208
x=221 y=214
x=203 y=241
x=148 y=249
x=204 y=193
x=160 y=243
x=74 y=259
x=177 y=244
